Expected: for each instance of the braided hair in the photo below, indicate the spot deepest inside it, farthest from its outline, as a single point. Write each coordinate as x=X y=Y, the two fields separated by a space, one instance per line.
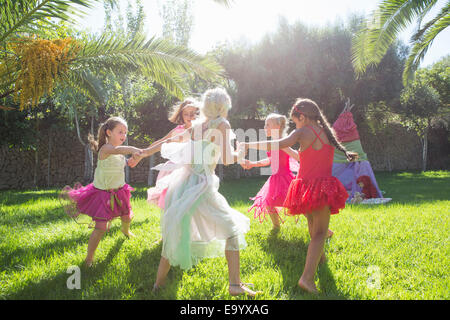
x=311 y=110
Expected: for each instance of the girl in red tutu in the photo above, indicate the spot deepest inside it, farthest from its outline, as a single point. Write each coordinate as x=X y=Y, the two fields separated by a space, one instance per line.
x=271 y=197
x=108 y=197
x=314 y=192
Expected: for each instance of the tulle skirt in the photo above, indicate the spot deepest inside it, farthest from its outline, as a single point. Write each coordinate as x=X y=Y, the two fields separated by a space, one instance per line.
x=156 y=194
x=272 y=195
x=99 y=205
x=306 y=195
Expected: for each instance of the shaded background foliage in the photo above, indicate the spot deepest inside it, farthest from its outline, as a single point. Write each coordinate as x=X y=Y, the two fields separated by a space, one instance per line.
x=295 y=60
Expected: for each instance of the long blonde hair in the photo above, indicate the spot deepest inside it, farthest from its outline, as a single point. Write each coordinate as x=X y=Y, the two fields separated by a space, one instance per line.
x=109 y=124
x=281 y=121
x=216 y=103
x=176 y=115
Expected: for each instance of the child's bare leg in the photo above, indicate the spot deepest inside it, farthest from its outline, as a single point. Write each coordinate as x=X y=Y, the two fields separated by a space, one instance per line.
x=232 y=256
x=94 y=240
x=310 y=219
x=320 y=222
x=126 y=221
x=273 y=213
x=163 y=270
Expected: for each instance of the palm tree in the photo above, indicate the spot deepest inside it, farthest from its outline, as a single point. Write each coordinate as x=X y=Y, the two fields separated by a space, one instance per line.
x=383 y=27
x=157 y=59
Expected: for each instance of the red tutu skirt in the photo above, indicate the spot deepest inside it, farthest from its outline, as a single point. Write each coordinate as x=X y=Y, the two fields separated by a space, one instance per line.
x=306 y=195
x=271 y=196
x=100 y=205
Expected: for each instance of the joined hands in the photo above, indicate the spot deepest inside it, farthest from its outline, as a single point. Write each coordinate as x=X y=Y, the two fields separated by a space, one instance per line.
x=135 y=158
x=242 y=148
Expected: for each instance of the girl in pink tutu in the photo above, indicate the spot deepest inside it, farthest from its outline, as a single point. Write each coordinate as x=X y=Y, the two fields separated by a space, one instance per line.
x=108 y=197
x=314 y=192
x=271 y=197
x=182 y=114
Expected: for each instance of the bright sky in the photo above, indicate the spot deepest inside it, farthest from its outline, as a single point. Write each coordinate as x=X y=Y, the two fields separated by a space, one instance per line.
x=252 y=19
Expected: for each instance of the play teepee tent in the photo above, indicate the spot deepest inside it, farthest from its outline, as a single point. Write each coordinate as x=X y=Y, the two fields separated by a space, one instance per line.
x=355 y=174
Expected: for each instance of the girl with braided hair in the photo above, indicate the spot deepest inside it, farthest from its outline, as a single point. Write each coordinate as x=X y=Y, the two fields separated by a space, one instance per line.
x=314 y=192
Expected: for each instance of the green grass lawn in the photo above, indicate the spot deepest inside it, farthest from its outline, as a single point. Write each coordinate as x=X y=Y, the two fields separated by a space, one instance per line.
x=395 y=251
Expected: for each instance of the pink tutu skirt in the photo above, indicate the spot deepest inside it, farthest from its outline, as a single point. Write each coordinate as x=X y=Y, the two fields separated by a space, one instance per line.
x=157 y=195
x=100 y=205
x=272 y=195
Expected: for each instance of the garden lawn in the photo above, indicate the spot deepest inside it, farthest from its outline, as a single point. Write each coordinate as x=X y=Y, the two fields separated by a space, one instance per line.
x=399 y=250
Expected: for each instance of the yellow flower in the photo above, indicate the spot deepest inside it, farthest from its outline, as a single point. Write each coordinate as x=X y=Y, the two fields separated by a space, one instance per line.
x=42 y=63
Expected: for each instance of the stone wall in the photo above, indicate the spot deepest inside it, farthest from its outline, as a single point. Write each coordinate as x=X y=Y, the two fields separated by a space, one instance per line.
x=396 y=150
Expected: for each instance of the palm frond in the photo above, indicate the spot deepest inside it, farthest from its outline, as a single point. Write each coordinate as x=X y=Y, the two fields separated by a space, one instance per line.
x=87 y=83
x=423 y=43
x=28 y=16
x=419 y=33
x=9 y=71
x=156 y=58
x=387 y=21
x=173 y=83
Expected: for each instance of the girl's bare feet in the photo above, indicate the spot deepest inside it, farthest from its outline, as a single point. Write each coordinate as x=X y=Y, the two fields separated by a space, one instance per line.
x=128 y=233
x=308 y=287
x=241 y=288
x=88 y=263
x=156 y=288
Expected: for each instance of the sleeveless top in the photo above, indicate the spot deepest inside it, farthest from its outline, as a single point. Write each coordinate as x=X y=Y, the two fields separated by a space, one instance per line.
x=316 y=163
x=180 y=128
x=279 y=162
x=110 y=173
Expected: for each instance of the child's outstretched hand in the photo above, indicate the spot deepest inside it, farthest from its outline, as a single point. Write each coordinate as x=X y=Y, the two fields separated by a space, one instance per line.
x=135 y=158
x=242 y=149
x=246 y=164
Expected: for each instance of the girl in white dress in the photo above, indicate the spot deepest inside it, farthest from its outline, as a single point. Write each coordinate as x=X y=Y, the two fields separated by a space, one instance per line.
x=197 y=221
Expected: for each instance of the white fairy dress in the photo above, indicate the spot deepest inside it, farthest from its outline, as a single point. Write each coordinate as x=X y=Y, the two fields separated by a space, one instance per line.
x=197 y=221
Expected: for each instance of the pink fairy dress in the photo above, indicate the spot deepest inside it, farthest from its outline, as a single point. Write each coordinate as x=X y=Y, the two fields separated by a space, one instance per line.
x=108 y=197
x=156 y=195
x=273 y=192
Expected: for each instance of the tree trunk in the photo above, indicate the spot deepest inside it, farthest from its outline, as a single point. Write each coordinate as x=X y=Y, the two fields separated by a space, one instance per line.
x=88 y=164
x=425 y=151
x=150 y=171
x=77 y=126
x=127 y=168
x=36 y=155
x=36 y=163
x=389 y=163
x=49 y=156
x=88 y=156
